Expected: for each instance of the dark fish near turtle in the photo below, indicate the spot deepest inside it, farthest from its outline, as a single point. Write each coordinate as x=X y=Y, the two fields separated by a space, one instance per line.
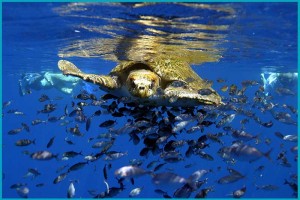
x=75 y=131
x=130 y=172
x=206 y=123
x=259 y=168
x=292 y=108
x=105 y=172
x=35 y=172
x=83 y=96
x=243 y=136
x=43 y=155
x=100 y=144
x=152 y=163
x=107 y=123
x=97 y=113
x=61 y=168
x=6 y=103
x=68 y=141
x=225 y=120
x=24 y=142
x=115 y=155
x=239 y=193
x=32 y=172
x=268 y=187
x=220 y=80
x=71 y=154
x=53 y=119
x=224 y=88
x=203 y=192
x=37 y=121
x=232 y=177
x=47 y=108
x=26 y=127
x=108 y=97
x=50 y=143
x=77 y=166
x=134 y=138
x=11 y=111
x=204 y=155
x=293 y=185
x=136 y=162
x=17 y=185
x=267 y=124
x=284 y=91
x=60 y=178
x=15 y=131
x=196 y=176
x=88 y=123
x=39 y=185
x=232 y=89
x=247 y=83
x=183 y=192
x=244 y=152
x=43 y=98
x=215 y=137
x=294 y=149
x=167 y=178
x=180 y=126
x=158 y=167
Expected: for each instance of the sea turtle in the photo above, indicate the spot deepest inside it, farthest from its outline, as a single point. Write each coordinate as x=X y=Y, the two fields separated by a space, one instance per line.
x=153 y=82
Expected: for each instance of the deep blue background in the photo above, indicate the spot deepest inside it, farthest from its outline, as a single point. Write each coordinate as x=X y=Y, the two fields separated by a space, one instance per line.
x=262 y=38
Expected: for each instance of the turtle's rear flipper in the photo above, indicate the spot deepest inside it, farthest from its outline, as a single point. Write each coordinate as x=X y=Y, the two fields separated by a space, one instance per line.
x=69 y=68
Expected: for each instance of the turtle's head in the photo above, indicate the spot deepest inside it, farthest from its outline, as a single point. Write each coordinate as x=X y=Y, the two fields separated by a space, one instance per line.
x=142 y=83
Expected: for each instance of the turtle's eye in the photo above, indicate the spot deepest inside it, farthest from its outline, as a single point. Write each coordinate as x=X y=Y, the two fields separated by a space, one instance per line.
x=152 y=84
x=133 y=85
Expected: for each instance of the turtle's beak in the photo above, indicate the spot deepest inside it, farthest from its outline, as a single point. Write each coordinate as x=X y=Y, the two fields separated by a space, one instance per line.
x=143 y=92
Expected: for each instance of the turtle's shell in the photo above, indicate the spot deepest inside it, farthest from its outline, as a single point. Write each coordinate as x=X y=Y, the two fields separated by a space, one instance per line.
x=169 y=70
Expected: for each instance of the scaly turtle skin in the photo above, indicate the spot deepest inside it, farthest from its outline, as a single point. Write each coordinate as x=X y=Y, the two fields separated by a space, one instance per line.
x=153 y=82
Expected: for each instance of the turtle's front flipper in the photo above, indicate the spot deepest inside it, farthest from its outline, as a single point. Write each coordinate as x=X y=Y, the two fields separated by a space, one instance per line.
x=69 y=68
x=105 y=82
x=190 y=97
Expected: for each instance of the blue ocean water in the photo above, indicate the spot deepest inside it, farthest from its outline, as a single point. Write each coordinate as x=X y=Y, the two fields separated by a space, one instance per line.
x=234 y=42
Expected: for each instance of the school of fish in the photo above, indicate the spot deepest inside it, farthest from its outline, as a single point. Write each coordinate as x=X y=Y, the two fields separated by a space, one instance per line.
x=163 y=137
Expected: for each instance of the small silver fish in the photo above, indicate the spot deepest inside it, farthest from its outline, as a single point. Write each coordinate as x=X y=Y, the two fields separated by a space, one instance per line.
x=71 y=191
x=180 y=126
x=23 y=192
x=291 y=138
x=167 y=178
x=130 y=172
x=60 y=178
x=225 y=120
x=135 y=191
x=239 y=193
x=268 y=187
x=42 y=155
x=243 y=152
